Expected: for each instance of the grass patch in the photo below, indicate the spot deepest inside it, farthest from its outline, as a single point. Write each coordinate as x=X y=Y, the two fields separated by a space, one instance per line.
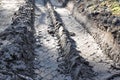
x=109 y=5
x=115 y=8
x=113 y=5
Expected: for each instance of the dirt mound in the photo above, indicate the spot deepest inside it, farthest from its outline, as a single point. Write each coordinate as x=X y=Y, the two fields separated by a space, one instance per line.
x=71 y=63
x=16 y=49
x=102 y=24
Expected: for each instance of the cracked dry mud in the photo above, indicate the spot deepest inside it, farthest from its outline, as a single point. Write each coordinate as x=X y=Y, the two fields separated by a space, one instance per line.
x=47 y=47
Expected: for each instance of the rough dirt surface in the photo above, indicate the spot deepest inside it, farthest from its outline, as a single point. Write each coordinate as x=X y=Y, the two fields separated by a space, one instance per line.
x=39 y=41
x=46 y=47
x=85 y=43
x=7 y=10
x=16 y=49
x=101 y=24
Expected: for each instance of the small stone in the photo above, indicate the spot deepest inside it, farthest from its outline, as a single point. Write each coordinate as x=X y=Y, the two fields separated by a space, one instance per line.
x=49 y=77
x=37 y=71
x=35 y=58
x=55 y=38
x=37 y=40
x=71 y=33
x=58 y=47
x=68 y=78
x=57 y=41
x=115 y=21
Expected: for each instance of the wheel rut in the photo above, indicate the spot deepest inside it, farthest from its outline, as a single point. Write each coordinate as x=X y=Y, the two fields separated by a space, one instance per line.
x=46 y=47
x=85 y=43
x=56 y=47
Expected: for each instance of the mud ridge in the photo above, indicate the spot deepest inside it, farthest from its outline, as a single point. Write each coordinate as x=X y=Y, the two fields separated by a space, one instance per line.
x=16 y=46
x=71 y=63
x=105 y=35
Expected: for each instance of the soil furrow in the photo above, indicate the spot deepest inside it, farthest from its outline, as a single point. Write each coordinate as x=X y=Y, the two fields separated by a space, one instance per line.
x=85 y=43
x=16 y=49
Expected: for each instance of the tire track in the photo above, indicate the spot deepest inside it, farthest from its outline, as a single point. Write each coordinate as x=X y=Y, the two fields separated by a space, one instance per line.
x=85 y=43
x=46 y=47
x=72 y=64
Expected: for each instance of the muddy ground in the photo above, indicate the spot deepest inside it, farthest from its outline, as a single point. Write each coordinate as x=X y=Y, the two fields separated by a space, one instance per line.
x=39 y=41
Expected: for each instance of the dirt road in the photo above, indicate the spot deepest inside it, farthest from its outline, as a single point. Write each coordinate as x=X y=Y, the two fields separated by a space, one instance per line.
x=85 y=43
x=48 y=44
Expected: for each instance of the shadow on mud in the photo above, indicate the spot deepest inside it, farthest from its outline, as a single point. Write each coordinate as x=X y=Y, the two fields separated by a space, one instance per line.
x=74 y=64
